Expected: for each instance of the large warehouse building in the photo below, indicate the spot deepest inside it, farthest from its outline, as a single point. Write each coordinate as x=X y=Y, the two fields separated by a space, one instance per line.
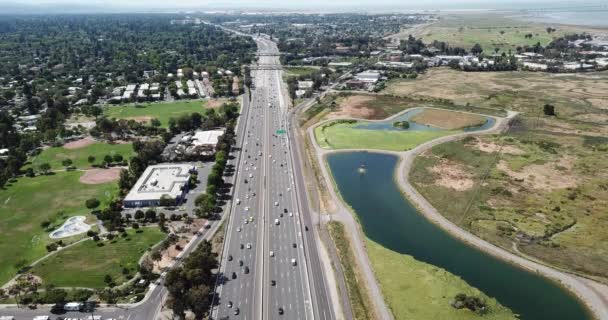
x=168 y=180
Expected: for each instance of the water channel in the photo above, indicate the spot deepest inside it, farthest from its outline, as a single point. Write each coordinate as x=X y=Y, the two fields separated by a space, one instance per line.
x=389 y=219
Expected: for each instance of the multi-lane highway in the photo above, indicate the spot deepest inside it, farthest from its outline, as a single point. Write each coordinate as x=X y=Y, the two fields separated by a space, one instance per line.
x=270 y=263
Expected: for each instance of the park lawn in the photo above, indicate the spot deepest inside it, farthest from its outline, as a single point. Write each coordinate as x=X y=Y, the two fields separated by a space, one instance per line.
x=299 y=71
x=86 y=264
x=25 y=204
x=417 y=290
x=448 y=120
x=54 y=156
x=161 y=111
x=346 y=136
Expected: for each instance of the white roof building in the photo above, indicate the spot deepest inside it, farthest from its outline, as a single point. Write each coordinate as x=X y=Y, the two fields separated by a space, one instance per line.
x=340 y=64
x=131 y=87
x=206 y=138
x=370 y=76
x=305 y=84
x=535 y=66
x=157 y=181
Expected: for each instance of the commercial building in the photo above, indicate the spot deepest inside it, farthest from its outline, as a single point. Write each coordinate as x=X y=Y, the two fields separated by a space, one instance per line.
x=369 y=76
x=192 y=146
x=159 y=182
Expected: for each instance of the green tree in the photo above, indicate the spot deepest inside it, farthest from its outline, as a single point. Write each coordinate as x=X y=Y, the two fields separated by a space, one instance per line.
x=92 y=203
x=139 y=215
x=549 y=110
x=91 y=159
x=66 y=162
x=476 y=49
x=44 y=167
x=206 y=203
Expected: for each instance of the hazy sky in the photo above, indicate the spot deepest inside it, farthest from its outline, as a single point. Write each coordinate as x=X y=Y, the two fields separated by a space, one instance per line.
x=342 y=5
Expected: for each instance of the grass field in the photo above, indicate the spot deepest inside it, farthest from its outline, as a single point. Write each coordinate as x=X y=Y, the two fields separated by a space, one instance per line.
x=25 y=204
x=545 y=194
x=491 y=31
x=79 y=157
x=447 y=119
x=86 y=264
x=357 y=293
x=416 y=290
x=161 y=111
x=346 y=136
x=299 y=71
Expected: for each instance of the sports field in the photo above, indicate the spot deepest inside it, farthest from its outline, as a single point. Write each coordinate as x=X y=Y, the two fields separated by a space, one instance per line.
x=27 y=203
x=161 y=111
x=347 y=136
x=86 y=264
x=54 y=156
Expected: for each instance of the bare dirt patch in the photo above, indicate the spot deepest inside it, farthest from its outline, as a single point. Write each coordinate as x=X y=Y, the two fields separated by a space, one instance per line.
x=452 y=176
x=140 y=119
x=355 y=107
x=490 y=147
x=544 y=176
x=215 y=103
x=599 y=103
x=97 y=176
x=81 y=143
x=448 y=120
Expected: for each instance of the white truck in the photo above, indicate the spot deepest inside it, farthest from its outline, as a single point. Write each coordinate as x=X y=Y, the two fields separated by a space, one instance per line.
x=277 y=222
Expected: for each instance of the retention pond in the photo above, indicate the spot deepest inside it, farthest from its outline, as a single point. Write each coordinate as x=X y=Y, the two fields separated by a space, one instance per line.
x=389 y=219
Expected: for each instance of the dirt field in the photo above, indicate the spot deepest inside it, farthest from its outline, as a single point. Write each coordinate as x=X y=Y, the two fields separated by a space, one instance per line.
x=355 y=107
x=215 y=103
x=548 y=176
x=452 y=176
x=97 y=176
x=140 y=119
x=448 y=120
x=79 y=143
x=490 y=147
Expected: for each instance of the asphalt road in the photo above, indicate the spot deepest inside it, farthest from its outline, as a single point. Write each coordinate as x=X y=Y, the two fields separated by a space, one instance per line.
x=285 y=279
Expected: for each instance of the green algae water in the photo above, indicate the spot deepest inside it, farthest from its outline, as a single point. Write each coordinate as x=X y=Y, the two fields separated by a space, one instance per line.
x=389 y=219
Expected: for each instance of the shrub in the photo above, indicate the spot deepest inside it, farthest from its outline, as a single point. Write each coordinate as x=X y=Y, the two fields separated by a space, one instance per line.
x=92 y=203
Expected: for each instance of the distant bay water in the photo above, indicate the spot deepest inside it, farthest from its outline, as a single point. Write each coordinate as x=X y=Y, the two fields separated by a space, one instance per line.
x=584 y=18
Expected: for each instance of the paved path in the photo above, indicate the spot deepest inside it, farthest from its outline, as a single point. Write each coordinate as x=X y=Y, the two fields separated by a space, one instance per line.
x=592 y=293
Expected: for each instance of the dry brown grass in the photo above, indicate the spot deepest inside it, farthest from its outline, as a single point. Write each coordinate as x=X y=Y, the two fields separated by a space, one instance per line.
x=97 y=176
x=448 y=120
x=548 y=176
x=79 y=143
x=452 y=176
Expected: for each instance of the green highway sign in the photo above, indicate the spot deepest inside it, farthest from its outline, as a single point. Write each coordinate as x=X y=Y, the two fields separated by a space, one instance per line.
x=281 y=131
